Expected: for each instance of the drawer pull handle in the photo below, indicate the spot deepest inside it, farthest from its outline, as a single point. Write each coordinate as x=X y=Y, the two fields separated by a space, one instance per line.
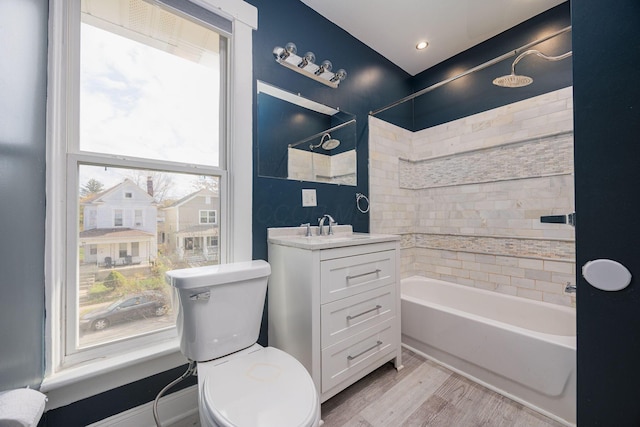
x=376 y=271
x=378 y=306
x=364 y=351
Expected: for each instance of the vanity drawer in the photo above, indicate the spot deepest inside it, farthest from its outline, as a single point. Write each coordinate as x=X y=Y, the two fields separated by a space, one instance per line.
x=348 y=357
x=348 y=316
x=344 y=277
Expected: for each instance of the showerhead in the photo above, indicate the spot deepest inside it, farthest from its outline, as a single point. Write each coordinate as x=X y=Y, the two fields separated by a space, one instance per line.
x=515 y=80
x=512 y=80
x=328 y=144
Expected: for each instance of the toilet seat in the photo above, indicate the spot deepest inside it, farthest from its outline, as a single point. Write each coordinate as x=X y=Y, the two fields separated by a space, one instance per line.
x=266 y=387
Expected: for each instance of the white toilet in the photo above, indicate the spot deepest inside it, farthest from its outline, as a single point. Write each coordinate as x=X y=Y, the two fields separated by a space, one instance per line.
x=240 y=382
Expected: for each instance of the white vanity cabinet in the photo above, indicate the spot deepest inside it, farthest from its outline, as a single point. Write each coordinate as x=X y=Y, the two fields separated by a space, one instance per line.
x=334 y=304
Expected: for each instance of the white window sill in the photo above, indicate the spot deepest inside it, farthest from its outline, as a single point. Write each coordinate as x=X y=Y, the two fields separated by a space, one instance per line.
x=91 y=378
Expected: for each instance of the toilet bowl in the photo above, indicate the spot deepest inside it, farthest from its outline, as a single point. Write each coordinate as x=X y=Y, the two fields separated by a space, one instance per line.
x=261 y=387
x=240 y=383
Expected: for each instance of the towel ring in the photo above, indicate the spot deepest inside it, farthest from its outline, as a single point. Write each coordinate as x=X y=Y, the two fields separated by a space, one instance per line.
x=359 y=197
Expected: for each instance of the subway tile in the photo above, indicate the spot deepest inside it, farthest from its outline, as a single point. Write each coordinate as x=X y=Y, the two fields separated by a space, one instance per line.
x=535 y=264
x=549 y=287
x=500 y=279
x=523 y=283
x=479 y=275
x=484 y=212
x=529 y=293
x=537 y=275
x=559 y=267
x=513 y=271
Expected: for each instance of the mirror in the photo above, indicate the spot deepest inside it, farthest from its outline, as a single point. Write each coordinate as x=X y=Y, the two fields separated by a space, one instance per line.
x=304 y=140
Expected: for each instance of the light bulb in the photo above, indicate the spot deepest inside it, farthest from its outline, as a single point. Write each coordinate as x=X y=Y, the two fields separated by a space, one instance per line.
x=325 y=66
x=308 y=58
x=280 y=53
x=341 y=74
x=291 y=48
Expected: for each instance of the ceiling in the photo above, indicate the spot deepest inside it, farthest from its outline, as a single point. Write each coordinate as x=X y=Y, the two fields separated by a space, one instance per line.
x=393 y=28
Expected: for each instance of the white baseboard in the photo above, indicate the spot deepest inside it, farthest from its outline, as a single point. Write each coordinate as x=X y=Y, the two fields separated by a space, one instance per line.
x=171 y=409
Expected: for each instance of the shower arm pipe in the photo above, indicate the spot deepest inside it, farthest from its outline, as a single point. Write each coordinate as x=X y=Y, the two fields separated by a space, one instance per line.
x=314 y=136
x=482 y=66
x=541 y=55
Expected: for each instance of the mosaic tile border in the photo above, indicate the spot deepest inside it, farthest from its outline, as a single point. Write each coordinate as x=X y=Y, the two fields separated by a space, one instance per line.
x=505 y=246
x=543 y=156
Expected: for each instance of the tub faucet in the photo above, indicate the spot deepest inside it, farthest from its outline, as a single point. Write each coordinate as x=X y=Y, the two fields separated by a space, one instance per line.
x=332 y=222
x=570 y=289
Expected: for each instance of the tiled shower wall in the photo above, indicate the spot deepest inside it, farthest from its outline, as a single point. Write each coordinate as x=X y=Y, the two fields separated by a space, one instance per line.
x=467 y=196
x=309 y=166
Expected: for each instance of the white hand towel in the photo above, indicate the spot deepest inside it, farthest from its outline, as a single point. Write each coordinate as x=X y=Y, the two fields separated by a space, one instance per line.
x=21 y=408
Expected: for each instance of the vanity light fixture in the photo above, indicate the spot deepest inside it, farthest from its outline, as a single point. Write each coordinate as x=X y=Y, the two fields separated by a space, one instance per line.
x=306 y=65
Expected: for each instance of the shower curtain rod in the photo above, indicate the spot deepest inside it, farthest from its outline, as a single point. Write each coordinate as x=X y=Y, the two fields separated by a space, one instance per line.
x=314 y=136
x=471 y=70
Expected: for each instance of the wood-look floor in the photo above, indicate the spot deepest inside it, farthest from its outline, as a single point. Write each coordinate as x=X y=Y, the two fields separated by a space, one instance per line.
x=424 y=394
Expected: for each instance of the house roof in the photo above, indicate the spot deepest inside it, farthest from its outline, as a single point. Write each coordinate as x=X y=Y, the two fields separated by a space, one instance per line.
x=114 y=233
x=97 y=197
x=185 y=199
x=200 y=228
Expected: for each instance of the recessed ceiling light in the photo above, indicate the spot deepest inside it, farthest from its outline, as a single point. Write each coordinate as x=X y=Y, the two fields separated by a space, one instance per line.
x=422 y=45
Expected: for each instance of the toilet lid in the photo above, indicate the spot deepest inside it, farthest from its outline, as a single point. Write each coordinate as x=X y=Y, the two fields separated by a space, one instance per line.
x=264 y=388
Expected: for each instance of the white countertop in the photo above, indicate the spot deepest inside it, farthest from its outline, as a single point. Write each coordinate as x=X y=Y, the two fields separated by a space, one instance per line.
x=343 y=236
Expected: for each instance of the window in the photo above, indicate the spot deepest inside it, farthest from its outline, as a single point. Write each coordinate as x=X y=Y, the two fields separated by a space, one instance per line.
x=143 y=100
x=117 y=218
x=157 y=349
x=123 y=250
x=207 y=217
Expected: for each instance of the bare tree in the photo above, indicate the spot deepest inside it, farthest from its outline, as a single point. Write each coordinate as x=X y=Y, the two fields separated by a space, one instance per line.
x=210 y=183
x=161 y=182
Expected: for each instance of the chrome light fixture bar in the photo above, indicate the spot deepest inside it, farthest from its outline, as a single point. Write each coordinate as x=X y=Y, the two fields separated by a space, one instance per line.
x=306 y=66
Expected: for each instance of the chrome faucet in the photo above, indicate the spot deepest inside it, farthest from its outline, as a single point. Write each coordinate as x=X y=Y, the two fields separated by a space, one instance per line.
x=332 y=222
x=570 y=289
x=308 y=232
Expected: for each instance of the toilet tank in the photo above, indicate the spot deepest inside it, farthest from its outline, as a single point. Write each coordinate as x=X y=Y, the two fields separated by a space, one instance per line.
x=220 y=307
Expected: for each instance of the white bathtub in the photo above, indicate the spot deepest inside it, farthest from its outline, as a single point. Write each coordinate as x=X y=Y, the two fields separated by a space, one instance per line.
x=523 y=349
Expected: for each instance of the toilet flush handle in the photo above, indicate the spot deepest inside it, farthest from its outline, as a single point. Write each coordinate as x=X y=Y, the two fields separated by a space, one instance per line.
x=201 y=296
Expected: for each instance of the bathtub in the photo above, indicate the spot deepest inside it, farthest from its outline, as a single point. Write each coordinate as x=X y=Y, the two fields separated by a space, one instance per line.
x=520 y=348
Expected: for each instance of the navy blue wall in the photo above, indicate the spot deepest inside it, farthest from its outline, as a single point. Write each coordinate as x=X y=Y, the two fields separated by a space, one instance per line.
x=372 y=81
x=606 y=39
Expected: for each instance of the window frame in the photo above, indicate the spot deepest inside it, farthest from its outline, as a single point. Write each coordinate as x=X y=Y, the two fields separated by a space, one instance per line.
x=69 y=380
